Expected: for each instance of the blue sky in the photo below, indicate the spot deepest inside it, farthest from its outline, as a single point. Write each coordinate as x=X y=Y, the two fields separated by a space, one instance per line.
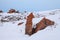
x=29 y=5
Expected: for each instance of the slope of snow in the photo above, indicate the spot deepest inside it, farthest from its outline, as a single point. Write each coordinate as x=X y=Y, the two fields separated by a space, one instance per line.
x=35 y=22
x=11 y=31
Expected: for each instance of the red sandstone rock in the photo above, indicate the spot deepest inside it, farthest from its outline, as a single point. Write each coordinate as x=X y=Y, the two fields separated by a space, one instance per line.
x=20 y=23
x=39 y=26
x=28 y=29
x=30 y=16
x=49 y=22
x=43 y=24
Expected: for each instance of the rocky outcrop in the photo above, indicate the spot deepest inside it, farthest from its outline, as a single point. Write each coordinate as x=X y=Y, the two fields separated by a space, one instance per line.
x=13 y=11
x=39 y=26
x=43 y=24
x=28 y=29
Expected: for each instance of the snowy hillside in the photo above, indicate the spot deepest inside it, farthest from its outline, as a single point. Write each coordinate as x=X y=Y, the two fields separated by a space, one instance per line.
x=10 y=30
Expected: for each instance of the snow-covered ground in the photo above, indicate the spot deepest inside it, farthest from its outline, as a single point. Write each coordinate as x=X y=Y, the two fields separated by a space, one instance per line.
x=11 y=31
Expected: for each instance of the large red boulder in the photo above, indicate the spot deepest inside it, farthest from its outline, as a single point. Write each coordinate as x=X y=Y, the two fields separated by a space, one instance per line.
x=28 y=29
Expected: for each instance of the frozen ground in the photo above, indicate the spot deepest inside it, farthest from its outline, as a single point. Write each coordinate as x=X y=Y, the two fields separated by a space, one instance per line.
x=11 y=31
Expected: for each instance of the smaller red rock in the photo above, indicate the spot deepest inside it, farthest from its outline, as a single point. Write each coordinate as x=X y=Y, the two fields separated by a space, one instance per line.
x=20 y=23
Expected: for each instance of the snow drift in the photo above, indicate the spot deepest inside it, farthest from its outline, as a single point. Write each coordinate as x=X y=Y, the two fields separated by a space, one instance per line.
x=10 y=30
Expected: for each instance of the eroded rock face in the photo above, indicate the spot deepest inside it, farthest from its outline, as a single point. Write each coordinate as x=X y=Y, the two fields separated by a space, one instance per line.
x=43 y=24
x=28 y=29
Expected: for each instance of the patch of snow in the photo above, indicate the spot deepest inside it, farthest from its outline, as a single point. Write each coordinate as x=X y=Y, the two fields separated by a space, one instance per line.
x=36 y=20
x=10 y=31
